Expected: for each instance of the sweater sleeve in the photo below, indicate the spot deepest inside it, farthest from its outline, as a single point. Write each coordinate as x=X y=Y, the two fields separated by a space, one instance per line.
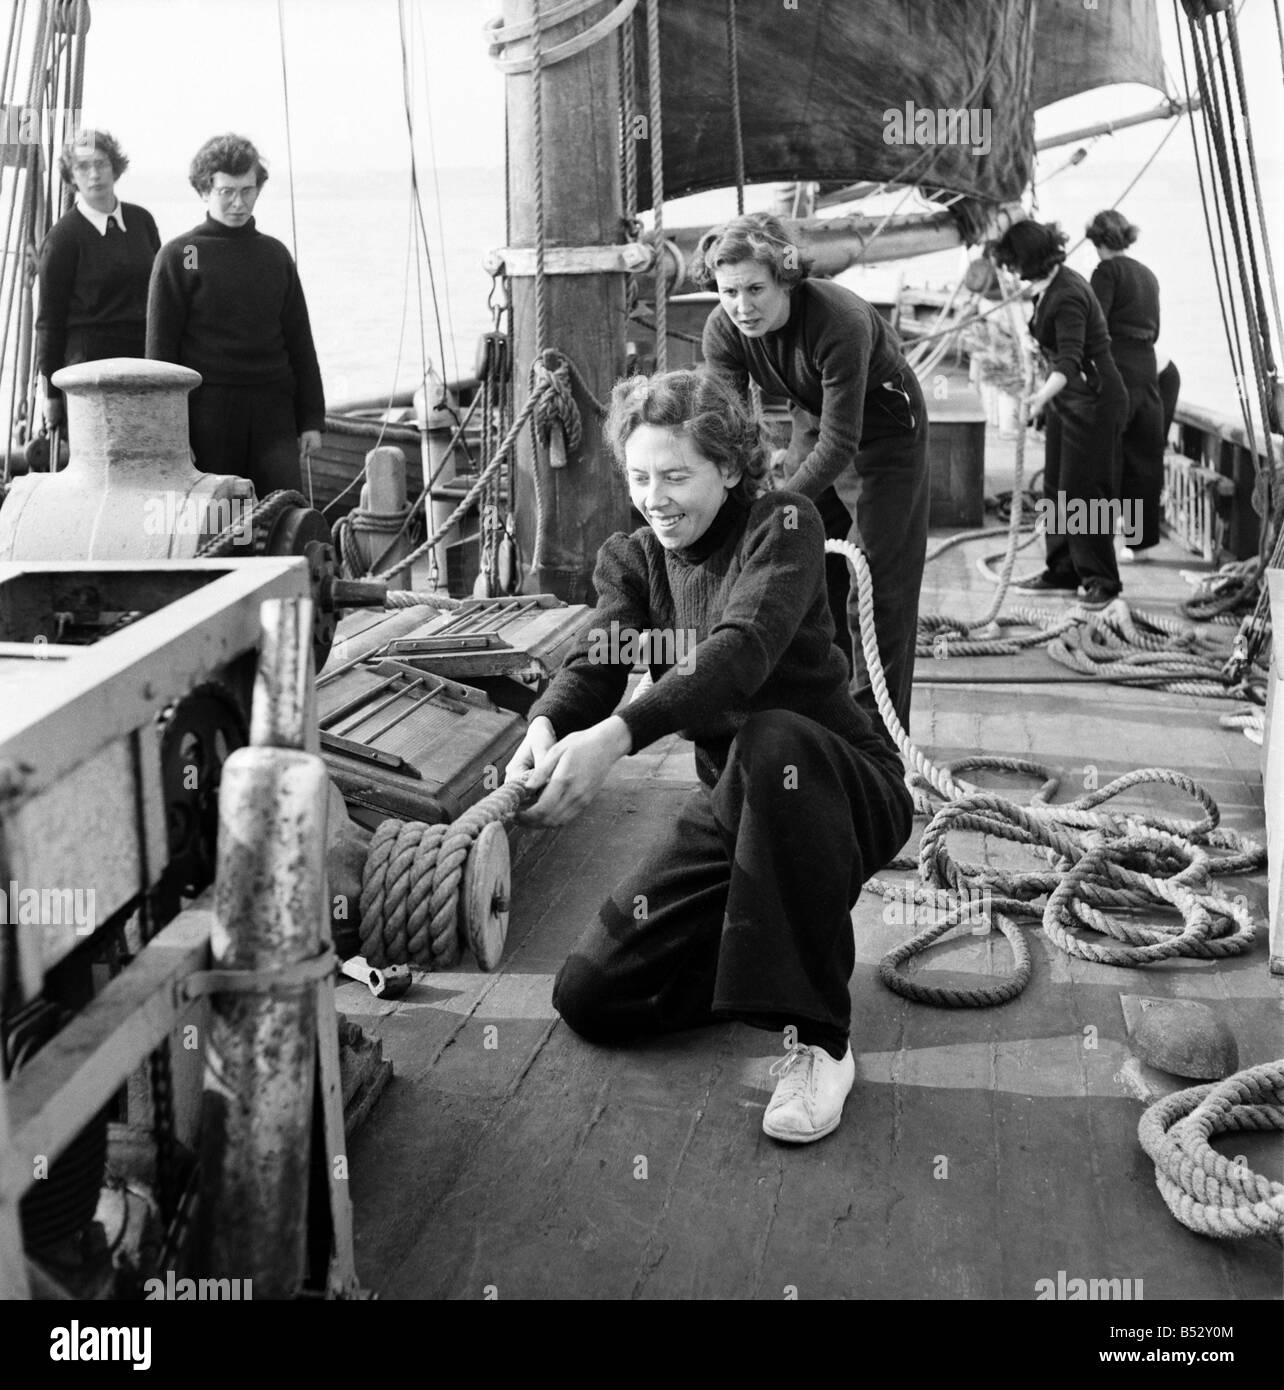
x=57 y=267
x=843 y=347
x=1103 y=286
x=149 y=227
x=589 y=686
x=721 y=348
x=1069 y=327
x=782 y=557
x=167 y=305
x=309 y=395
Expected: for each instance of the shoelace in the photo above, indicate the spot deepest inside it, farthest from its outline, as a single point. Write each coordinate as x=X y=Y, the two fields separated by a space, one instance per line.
x=801 y=1077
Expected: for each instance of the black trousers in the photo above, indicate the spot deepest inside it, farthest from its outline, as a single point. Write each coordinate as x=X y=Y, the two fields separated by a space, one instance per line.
x=880 y=504
x=1142 y=442
x=246 y=431
x=742 y=909
x=1082 y=460
x=1169 y=390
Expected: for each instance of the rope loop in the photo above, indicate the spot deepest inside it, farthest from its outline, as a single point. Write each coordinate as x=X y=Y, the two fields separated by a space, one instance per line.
x=1203 y=1189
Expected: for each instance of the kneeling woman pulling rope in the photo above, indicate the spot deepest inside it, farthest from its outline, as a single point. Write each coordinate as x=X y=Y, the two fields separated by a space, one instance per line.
x=741 y=909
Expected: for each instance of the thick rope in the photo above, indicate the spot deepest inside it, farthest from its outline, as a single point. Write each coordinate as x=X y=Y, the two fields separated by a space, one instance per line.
x=1096 y=860
x=733 y=90
x=421 y=598
x=537 y=123
x=1204 y=1190
x=410 y=883
x=656 y=134
x=348 y=531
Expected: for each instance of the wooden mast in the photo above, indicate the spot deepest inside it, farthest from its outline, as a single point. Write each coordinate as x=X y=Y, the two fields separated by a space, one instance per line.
x=586 y=500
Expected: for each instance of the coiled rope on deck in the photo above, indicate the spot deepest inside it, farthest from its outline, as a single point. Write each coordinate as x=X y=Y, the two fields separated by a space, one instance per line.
x=1120 y=861
x=411 y=879
x=1204 y=1190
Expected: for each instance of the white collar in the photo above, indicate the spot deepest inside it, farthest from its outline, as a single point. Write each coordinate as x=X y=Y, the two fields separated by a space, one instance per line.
x=99 y=219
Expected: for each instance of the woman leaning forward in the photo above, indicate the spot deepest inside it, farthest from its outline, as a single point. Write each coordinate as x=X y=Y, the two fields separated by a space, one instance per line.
x=741 y=909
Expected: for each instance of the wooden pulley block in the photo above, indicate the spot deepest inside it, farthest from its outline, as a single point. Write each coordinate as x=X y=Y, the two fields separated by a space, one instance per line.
x=484 y=896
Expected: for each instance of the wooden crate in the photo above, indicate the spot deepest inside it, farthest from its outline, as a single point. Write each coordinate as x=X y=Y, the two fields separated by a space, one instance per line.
x=956 y=456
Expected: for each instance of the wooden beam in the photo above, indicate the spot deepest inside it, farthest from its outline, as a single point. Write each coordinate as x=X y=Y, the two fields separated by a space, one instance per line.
x=68 y=1081
x=579 y=146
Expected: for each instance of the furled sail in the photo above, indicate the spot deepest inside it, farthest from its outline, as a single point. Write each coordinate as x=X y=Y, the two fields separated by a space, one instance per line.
x=931 y=92
x=1079 y=46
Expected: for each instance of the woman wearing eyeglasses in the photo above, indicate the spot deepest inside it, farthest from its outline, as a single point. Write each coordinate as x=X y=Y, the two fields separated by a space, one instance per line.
x=93 y=269
x=226 y=300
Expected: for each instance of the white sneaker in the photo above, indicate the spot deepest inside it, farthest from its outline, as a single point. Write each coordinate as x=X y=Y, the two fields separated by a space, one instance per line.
x=808 y=1100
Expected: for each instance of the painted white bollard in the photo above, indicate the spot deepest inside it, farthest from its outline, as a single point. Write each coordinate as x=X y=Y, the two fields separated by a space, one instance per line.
x=130 y=490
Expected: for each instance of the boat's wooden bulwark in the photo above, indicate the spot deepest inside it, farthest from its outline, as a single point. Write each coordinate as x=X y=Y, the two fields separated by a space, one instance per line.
x=1273 y=780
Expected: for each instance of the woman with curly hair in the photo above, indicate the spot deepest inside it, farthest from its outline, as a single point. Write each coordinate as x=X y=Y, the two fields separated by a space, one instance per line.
x=1128 y=293
x=226 y=300
x=741 y=910
x=93 y=268
x=859 y=444
x=1086 y=403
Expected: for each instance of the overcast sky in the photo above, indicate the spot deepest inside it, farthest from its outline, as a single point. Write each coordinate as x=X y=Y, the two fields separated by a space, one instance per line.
x=165 y=74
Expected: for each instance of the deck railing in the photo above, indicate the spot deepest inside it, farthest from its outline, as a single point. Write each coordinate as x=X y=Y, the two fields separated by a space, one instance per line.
x=1210 y=469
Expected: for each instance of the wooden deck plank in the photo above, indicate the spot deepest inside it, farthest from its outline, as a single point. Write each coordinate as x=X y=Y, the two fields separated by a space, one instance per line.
x=517 y=1168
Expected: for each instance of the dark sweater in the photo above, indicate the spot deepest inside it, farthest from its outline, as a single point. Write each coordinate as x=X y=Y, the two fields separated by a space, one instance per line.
x=89 y=281
x=227 y=302
x=833 y=353
x=1069 y=326
x=1128 y=293
x=751 y=595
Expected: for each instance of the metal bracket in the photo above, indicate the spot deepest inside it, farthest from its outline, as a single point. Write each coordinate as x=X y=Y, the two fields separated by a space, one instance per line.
x=268 y=981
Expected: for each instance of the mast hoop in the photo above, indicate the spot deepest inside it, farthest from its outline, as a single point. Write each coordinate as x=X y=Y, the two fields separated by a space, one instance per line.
x=586 y=39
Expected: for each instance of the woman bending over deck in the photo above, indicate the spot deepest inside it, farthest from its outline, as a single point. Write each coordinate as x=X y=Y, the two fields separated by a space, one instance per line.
x=859 y=442
x=741 y=909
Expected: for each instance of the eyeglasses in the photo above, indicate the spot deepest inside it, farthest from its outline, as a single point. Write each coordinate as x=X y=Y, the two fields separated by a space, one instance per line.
x=230 y=195
x=91 y=166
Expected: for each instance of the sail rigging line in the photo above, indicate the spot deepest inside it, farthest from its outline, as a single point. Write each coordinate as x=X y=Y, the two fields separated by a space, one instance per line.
x=628 y=142
x=1225 y=299
x=289 y=154
x=1251 y=146
x=1279 y=29
x=417 y=199
x=1258 y=305
x=733 y=83
x=441 y=228
x=1213 y=117
x=655 y=134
